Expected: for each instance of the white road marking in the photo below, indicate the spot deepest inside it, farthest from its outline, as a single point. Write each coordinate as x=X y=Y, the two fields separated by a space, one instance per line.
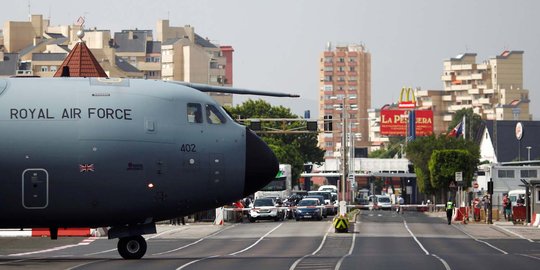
x=82 y=243
x=481 y=241
x=293 y=266
x=338 y=265
x=195 y=261
x=254 y=244
x=414 y=237
x=232 y=254
x=514 y=233
x=446 y=266
x=529 y=256
x=85 y=264
x=194 y=243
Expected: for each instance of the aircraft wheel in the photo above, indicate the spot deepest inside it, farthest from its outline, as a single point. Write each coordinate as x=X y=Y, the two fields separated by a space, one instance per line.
x=132 y=248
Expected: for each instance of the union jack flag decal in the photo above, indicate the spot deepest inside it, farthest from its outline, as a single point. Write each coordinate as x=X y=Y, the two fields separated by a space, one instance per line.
x=86 y=167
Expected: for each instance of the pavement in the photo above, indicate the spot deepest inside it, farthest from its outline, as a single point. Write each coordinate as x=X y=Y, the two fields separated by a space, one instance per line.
x=500 y=229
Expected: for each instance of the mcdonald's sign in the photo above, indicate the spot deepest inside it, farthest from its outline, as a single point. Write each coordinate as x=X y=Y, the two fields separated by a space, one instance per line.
x=407 y=101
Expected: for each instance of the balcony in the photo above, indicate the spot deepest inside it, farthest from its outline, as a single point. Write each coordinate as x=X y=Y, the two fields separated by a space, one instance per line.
x=353 y=54
x=474 y=91
x=340 y=73
x=477 y=76
x=484 y=100
x=328 y=64
x=448 y=117
x=460 y=87
x=448 y=98
x=352 y=64
x=462 y=98
x=454 y=108
x=328 y=54
x=427 y=103
x=462 y=67
x=446 y=78
x=489 y=91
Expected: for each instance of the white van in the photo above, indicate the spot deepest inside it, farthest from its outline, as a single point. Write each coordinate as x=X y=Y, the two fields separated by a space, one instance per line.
x=331 y=188
x=514 y=195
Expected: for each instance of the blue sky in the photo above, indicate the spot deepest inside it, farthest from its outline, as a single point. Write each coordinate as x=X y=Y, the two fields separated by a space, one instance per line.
x=277 y=43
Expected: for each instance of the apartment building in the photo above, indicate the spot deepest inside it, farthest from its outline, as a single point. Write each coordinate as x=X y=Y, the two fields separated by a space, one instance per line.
x=493 y=89
x=126 y=54
x=186 y=56
x=345 y=97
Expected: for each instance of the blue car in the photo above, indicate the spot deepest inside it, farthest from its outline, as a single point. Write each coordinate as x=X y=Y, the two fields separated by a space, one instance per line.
x=309 y=208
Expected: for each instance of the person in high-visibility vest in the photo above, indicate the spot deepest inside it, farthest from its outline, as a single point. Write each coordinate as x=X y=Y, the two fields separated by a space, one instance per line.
x=449 y=210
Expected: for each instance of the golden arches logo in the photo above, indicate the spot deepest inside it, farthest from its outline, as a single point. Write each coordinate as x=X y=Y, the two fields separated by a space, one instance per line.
x=410 y=100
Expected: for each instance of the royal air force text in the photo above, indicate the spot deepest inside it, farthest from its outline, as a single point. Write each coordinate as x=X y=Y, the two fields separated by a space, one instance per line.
x=70 y=113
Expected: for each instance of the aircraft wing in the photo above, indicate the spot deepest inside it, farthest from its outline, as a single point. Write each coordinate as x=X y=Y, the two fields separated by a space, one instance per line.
x=231 y=90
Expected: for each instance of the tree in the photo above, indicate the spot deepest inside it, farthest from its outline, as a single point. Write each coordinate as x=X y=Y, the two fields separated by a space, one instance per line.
x=444 y=164
x=293 y=149
x=420 y=151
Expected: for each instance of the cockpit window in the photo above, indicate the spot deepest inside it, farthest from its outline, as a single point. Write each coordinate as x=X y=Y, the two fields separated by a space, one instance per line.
x=213 y=115
x=194 y=113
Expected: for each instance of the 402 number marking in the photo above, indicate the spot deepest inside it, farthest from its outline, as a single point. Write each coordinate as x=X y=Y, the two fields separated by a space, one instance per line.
x=188 y=147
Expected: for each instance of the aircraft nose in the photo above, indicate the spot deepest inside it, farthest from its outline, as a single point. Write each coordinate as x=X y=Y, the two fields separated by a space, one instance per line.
x=262 y=165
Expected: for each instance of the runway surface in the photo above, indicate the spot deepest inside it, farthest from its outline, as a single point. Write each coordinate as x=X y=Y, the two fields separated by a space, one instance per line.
x=381 y=240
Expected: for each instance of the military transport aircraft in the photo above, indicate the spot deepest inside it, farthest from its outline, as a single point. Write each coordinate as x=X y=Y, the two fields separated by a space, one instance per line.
x=121 y=153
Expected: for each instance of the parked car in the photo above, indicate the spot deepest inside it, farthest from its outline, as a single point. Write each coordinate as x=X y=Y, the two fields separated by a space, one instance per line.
x=267 y=209
x=327 y=200
x=321 y=201
x=309 y=208
x=380 y=202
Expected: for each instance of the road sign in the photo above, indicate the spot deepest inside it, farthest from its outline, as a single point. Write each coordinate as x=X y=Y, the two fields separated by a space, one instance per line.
x=459 y=177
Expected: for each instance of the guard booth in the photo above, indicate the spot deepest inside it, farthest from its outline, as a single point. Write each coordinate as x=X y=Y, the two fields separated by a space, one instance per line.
x=535 y=199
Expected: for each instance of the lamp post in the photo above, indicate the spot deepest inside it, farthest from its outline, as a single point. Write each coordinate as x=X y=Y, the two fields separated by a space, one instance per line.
x=528 y=153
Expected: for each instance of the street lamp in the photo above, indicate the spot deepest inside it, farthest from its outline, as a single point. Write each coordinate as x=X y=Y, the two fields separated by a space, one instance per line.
x=528 y=152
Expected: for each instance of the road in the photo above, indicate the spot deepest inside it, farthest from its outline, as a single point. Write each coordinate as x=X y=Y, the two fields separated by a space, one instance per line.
x=381 y=240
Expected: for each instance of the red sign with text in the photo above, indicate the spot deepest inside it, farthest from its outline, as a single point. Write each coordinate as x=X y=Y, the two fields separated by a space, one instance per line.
x=394 y=122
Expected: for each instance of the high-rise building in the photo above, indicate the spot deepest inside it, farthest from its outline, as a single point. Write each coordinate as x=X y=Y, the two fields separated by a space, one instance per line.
x=345 y=97
x=493 y=89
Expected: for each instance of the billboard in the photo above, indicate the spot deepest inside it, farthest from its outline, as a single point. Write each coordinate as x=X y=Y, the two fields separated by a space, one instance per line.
x=394 y=122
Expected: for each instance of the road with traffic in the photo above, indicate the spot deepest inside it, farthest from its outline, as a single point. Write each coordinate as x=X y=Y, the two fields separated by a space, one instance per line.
x=378 y=240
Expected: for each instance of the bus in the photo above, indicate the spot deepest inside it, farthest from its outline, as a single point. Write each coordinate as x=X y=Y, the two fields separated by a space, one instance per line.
x=280 y=187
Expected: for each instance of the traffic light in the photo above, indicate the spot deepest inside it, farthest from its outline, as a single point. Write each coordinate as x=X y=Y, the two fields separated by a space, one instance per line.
x=255 y=125
x=311 y=125
x=327 y=123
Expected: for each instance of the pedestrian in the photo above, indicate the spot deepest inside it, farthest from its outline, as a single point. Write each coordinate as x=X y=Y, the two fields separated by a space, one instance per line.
x=520 y=201
x=486 y=202
x=507 y=207
x=449 y=210
x=401 y=201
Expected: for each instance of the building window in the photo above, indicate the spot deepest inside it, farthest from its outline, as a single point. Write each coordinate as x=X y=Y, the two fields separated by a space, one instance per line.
x=505 y=173
x=328 y=59
x=327 y=78
x=328 y=68
x=44 y=68
x=328 y=144
x=54 y=68
x=352 y=69
x=528 y=173
x=538 y=195
x=341 y=60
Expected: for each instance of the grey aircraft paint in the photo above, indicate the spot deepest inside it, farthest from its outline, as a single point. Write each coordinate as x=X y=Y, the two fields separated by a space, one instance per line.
x=120 y=153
